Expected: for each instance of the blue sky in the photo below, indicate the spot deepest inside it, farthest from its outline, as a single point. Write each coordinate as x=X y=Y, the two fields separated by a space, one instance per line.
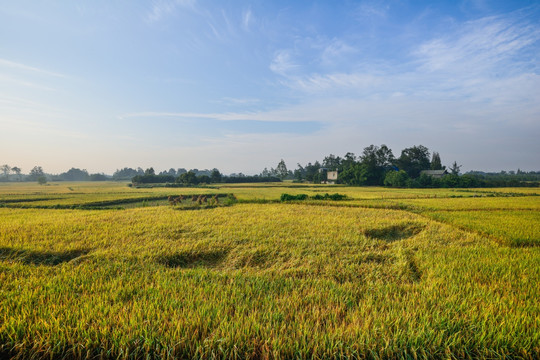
x=239 y=85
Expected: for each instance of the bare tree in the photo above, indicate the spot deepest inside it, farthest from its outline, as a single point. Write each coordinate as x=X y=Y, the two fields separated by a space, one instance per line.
x=455 y=168
x=17 y=171
x=6 y=170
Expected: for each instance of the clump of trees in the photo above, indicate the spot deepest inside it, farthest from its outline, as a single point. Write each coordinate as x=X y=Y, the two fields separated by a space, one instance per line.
x=281 y=172
x=377 y=165
x=127 y=173
x=149 y=177
x=196 y=177
x=37 y=174
x=75 y=174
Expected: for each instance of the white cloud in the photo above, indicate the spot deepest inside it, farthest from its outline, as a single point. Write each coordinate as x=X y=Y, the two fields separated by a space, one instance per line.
x=282 y=63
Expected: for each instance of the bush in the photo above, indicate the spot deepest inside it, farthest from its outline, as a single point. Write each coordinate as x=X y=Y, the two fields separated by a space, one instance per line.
x=289 y=197
x=327 y=196
x=231 y=199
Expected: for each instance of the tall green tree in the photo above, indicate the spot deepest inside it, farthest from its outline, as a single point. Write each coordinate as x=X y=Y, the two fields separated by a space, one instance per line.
x=188 y=178
x=36 y=172
x=436 y=161
x=216 y=176
x=281 y=170
x=356 y=174
x=376 y=162
x=299 y=173
x=149 y=171
x=331 y=162
x=265 y=172
x=348 y=160
x=312 y=172
x=17 y=171
x=413 y=160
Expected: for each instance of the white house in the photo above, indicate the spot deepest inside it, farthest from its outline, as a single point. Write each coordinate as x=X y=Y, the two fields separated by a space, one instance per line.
x=434 y=173
x=331 y=177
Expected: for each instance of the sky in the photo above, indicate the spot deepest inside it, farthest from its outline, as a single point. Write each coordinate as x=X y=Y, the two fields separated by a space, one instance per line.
x=238 y=85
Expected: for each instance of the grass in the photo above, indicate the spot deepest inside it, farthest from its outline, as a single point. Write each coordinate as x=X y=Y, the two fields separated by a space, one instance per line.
x=429 y=278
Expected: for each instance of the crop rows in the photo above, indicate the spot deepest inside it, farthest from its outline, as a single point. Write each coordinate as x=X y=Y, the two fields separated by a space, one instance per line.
x=305 y=279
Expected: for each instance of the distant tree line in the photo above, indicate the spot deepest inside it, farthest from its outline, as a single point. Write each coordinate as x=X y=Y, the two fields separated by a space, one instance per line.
x=37 y=174
x=377 y=165
x=179 y=176
x=75 y=174
x=196 y=177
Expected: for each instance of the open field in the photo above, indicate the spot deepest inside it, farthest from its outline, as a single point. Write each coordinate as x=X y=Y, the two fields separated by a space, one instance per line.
x=385 y=273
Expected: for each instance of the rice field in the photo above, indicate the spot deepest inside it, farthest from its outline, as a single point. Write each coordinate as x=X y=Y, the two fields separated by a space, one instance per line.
x=385 y=273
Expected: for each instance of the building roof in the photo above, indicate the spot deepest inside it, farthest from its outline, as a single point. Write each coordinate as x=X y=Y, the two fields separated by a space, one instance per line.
x=434 y=172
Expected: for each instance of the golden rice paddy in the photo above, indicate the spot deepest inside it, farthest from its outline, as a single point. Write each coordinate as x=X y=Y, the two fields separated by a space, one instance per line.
x=386 y=273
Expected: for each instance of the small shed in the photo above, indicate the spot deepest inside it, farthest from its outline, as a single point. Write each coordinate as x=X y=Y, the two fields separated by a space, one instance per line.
x=331 y=177
x=434 y=173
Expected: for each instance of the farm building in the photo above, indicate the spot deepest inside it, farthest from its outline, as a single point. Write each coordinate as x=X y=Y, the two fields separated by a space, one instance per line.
x=434 y=173
x=331 y=177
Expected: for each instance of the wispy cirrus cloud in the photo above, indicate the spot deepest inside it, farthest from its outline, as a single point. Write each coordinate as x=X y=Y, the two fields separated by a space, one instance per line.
x=25 y=83
x=369 y=9
x=282 y=63
x=473 y=60
x=240 y=101
x=335 y=51
x=275 y=115
x=479 y=45
x=26 y=68
x=163 y=8
x=247 y=19
x=28 y=76
x=317 y=83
